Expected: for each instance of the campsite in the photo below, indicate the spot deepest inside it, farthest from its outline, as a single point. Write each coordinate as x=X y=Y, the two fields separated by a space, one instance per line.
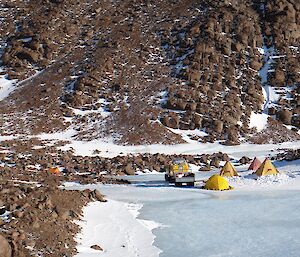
x=181 y=173
x=149 y=128
x=202 y=217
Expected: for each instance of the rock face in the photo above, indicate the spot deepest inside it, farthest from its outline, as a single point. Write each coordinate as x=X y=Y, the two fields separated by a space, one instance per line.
x=111 y=73
x=211 y=39
x=5 y=248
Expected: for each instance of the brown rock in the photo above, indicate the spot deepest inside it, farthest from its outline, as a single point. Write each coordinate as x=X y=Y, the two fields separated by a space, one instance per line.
x=198 y=121
x=285 y=116
x=65 y=215
x=280 y=76
x=215 y=162
x=236 y=47
x=36 y=225
x=54 y=214
x=192 y=106
x=129 y=170
x=244 y=160
x=181 y=104
x=28 y=55
x=5 y=248
x=18 y=214
x=205 y=168
x=99 y=196
x=271 y=111
x=232 y=134
x=218 y=126
x=255 y=65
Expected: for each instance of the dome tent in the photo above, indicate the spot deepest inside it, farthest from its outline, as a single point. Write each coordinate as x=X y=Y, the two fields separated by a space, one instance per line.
x=217 y=182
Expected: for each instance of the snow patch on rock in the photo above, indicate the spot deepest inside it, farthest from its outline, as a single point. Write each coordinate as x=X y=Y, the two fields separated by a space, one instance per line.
x=187 y=134
x=6 y=86
x=258 y=120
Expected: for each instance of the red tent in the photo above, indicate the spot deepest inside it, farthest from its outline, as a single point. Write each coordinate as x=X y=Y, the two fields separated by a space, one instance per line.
x=255 y=164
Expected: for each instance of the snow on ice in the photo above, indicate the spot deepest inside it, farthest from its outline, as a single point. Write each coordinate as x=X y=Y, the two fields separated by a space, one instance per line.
x=116 y=228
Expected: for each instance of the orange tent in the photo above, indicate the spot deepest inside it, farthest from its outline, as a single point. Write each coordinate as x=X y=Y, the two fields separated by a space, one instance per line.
x=255 y=164
x=54 y=170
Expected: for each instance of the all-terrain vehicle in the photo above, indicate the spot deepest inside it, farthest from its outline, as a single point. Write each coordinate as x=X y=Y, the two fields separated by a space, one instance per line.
x=180 y=173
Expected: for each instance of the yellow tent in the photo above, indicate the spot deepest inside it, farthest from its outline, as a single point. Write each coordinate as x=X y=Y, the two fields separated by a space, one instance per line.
x=217 y=182
x=267 y=168
x=228 y=170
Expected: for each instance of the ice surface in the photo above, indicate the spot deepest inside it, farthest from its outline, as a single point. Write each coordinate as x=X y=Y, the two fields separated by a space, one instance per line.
x=256 y=224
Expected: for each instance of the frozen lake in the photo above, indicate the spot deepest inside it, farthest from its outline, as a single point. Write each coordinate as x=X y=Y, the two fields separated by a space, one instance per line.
x=207 y=223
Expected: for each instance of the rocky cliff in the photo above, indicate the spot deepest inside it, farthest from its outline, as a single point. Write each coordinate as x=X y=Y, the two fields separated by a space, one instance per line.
x=133 y=69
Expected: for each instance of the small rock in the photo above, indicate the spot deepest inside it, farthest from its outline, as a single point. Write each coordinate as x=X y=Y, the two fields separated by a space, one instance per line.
x=205 y=168
x=54 y=214
x=244 y=160
x=129 y=170
x=215 y=162
x=18 y=214
x=99 y=196
x=96 y=247
x=36 y=224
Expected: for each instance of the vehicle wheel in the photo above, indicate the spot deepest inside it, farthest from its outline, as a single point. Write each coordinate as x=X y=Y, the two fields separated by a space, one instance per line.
x=167 y=178
x=191 y=184
x=178 y=184
x=171 y=180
